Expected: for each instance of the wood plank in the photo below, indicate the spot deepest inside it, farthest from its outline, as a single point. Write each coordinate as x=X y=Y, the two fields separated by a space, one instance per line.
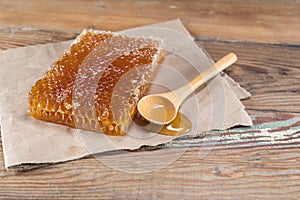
x=19 y=37
x=271 y=73
x=228 y=172
x=245 y=163
x=269 y=21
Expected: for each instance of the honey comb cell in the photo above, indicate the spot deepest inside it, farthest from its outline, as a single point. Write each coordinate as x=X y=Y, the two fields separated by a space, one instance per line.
x=97 y=82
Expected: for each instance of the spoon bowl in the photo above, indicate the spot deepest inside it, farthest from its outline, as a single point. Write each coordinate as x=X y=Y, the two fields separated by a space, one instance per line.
x=162 y=108
x=157 y=109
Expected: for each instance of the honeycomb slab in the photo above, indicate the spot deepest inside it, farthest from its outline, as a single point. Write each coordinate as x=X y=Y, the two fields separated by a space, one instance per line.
x=97 y=82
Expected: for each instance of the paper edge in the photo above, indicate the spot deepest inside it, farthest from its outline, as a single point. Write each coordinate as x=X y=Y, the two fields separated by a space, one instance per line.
x=227 y=79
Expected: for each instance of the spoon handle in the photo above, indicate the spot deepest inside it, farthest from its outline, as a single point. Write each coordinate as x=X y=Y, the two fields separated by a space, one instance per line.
x=212 y=71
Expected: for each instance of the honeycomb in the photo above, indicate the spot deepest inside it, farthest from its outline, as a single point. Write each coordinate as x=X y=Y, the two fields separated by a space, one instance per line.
x=97 y=82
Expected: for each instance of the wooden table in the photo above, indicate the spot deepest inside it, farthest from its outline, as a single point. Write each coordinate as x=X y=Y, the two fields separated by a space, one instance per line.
x=261 y=162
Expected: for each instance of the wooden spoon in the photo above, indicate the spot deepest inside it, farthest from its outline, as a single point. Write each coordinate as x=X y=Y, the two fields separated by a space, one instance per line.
x=162 y=108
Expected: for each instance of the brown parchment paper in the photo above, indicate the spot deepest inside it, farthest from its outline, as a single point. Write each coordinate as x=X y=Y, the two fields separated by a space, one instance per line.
x=29 y=141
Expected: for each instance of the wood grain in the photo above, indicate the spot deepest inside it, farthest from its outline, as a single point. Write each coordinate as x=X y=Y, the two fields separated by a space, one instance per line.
x=271 y=73
x=261 y=162
x=19 y=37
x=276 y=21
x=228 y=172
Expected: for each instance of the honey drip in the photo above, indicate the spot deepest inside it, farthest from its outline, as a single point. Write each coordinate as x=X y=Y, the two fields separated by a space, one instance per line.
x=51 y=98
x=180 y=125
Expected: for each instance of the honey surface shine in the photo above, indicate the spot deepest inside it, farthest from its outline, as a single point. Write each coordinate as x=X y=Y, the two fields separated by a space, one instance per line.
x=91 y=89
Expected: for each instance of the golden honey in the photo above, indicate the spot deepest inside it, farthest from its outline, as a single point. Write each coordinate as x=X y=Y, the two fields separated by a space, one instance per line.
x=52 y=97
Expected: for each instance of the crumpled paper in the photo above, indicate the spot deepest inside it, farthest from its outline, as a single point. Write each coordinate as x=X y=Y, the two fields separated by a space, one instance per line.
x=26 y=140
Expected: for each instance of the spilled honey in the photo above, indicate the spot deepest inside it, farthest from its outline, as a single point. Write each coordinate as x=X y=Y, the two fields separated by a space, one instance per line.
x=180 y=125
